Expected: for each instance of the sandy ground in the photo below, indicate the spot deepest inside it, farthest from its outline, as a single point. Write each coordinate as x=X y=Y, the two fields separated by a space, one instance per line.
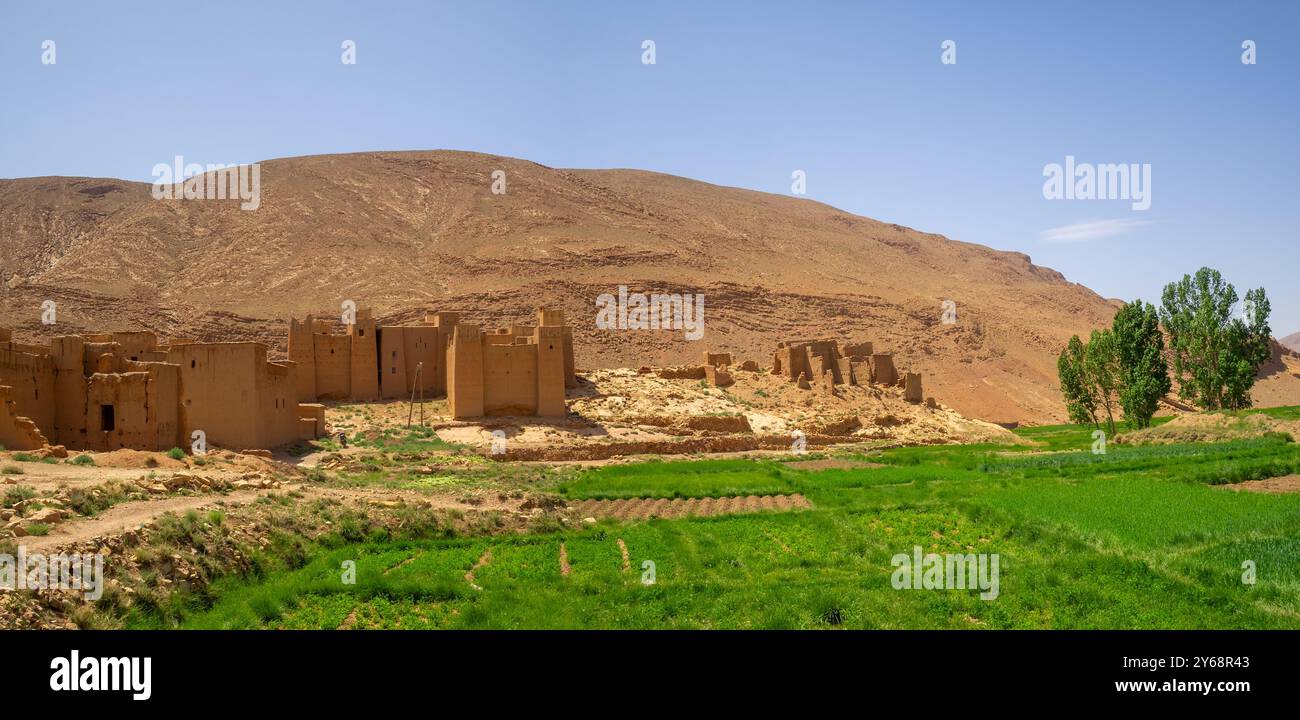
x=1284 y=484
x=1210 y=427
x=1277 y=380
x=622 y=413
x=41 y=475
x=127 y=515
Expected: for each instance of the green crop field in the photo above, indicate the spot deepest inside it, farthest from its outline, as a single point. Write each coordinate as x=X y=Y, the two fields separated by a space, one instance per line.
x=1137 y=537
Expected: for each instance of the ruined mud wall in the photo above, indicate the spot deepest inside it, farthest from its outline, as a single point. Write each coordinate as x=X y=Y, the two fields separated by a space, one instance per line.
x=302 y=351
x=363 y=359
x=17 y=432
x=31 y=379
x=238 y=399
x=333 y=355
x=509 y=379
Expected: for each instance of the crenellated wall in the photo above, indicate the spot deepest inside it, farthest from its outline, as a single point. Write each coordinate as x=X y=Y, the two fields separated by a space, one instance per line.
x=105 y=391
x=235 y=396
x=121 y=390
x=518 y=370
x=365 y=361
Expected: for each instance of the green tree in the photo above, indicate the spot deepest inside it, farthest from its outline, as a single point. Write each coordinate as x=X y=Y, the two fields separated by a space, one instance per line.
x=1251 y=347
x=1140 y=358
x=1080 y=402
x=1215 y=354
x=1102 y=371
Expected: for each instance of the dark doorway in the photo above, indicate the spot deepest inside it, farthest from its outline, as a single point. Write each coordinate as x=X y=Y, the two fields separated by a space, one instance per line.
x=107 y=418
x=379 y=360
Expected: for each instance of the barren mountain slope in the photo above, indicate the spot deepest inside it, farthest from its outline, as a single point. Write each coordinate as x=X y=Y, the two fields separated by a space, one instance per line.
x=1292 y=341
x=407 y=232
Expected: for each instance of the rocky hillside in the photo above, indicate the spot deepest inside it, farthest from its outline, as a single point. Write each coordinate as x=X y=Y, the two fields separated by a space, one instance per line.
x=1292 y=341
x=406 y=232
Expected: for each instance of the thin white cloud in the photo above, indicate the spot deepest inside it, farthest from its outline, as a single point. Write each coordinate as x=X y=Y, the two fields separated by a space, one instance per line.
x=1090 y=230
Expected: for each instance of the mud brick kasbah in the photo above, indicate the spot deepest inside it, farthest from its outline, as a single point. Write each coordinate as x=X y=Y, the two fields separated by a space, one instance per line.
x=126 y=390
x=823 y=364
x=516 y=370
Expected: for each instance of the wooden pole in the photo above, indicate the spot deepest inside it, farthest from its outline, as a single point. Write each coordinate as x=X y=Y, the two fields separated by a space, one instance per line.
x=410 y=409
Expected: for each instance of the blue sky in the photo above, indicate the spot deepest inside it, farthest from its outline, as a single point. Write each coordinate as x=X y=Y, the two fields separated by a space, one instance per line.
x=741 y=93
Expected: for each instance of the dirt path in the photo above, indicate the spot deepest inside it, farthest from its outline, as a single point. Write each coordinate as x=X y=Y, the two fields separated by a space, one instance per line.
x=43 y=475
x=130 y=514
x=565 y=569
x=312 y=459
x=127 y=515
x=622 y=548
x=47 y=476
x=350 y=621
x=871 y=445
x=484 y=559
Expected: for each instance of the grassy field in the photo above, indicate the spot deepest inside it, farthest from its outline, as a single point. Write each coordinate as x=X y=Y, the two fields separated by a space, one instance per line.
x=1138 y=537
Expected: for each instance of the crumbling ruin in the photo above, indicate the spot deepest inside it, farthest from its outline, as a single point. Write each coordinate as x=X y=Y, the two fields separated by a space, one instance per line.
x=516 y=370
x=822 y=364
x=363 y=362
x=123 y=390
x=717 y=369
